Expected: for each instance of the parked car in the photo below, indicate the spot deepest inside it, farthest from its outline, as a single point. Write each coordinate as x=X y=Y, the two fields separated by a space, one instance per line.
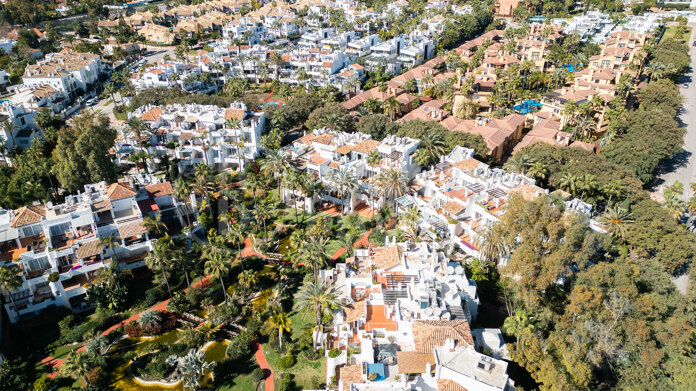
x=91 y=101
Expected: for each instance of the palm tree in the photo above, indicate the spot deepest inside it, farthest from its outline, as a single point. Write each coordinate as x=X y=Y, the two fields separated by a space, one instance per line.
x=10 y=280
x=410 y=85
x=614 y=188
x=190 y=368
x=248 y=278
x=393 y=183
x=520 y=321
x=372 y=105
x=236 y=126
x=391 y=107
x=218 y=266
x=538 y=170
x=491 y=248
x=156 y=224
x=182 y=192
x=616 y=221
x=675 y=205
x=281 y=322
x=466 y=109
x=159 y=259
x=343 y=181
x=586 y=127
x=314 y=253
x=276 y=60
x=316 y=298
x=111 y=275
x=264 y=211
x=77 y=366
x=112 y=241
x=275 y=163
x=138 y=127
x=432 y=146
x=569 y=183
x=519 y=163
x=235 y=236
x=588 y=183
x=150 y=320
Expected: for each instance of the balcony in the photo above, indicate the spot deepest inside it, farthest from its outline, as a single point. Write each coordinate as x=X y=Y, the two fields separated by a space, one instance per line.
x=30 y=274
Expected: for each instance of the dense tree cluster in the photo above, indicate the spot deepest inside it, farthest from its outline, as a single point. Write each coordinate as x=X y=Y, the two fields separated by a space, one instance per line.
x=585 y=314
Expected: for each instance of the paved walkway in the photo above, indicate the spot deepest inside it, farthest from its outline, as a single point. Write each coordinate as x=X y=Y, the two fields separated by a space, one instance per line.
x=263 y=364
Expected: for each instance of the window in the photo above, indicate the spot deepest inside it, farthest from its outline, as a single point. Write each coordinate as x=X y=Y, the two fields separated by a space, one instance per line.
x=59 y=229
x=535 y=56
x=605 y=63
x=31 y=230
x=38 y=264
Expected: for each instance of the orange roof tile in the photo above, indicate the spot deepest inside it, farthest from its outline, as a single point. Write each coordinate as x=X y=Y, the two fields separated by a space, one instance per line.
x=28 y=215
x=117 y=191
x=430 y=333
x=159 y=189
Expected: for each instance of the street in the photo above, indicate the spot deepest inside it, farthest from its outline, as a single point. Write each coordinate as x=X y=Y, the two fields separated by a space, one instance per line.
x=682 y=167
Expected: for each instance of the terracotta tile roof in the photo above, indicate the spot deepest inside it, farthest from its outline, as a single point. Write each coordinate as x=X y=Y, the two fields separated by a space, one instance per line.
x=350 y=374
x=344 y=149
x=387 y=258
x=28 y=215
x=334 y=165
x=152 y=115
x=159 y=189
x=454 y=208
x=430 y=333
x=135 y=228
x=89 y=249
x=467 y=165
x=366 y=146
x=449 y=385
x=528 y=192
x=232 y=113
x=307 y=139
x=101 y=205
x=318 y=160
x=118 y=191
x=414 y=362
x=355 y=311
x=323 y=138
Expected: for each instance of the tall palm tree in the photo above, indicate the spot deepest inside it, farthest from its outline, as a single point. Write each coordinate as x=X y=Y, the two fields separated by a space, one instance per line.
x=112 y=241
x=138 y=127
x=519 y=163
x=10 y=280
x=588 y=183
x=281 y=322
x=466 y=109
x=182 y=192
x=344 y=182
x=77 y=366
x=410 y=85
x=614 y=188
x=391 y=107
x=538 y=170
x=394 y=184
x=264 y=211
x=235 y=236
x=190 y=368
x=236 y=126
x=218 y=266
x=159 y=259
x=248 y=278
x=314 y=253
x=275 y=163
x=316 y=298
x=491 y=248
x=431 y=148
x=156 y=224
x=616 y=221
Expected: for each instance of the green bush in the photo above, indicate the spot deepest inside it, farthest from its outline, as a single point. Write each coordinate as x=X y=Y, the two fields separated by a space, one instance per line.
x=333 y=353
x=286 y=361
x=240 y=347
x=258 y=374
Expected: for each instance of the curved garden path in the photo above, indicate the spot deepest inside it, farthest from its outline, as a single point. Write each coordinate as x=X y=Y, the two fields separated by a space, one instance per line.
x=263 y=364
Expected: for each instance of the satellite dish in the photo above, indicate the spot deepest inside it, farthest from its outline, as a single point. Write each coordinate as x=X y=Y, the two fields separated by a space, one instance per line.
x=437 y=311
x=459 y=270
x=450 y=270
x=428 y=311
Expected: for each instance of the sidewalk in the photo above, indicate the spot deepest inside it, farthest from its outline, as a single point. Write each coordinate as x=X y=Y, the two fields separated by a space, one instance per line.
x=263 y=364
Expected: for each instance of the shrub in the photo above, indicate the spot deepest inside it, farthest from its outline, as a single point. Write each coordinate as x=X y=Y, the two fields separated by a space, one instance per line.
x=258 y=374
x=240 y=347
x=333 y=353
x=286 y=383
x=53 y=277
x=286 y=361
x=372 y=376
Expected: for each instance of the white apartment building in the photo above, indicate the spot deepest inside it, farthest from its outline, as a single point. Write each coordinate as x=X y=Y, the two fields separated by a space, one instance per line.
x=203 y=133
x=323 y=152
x=23 y=127
x=406 y=315
x=66 y=71
x=461 y=195
x=56 y=247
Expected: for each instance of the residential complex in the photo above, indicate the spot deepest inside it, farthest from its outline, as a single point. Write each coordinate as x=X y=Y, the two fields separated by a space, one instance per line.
x=60 y=249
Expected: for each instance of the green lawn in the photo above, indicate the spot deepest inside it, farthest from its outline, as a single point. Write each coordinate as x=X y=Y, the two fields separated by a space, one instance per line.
x=239 y=383
x=304 y=370
x=672 y=30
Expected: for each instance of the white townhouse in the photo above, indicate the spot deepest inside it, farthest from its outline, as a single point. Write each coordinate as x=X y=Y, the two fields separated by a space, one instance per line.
x=204 y=133
x=56 y=248
x=65 y=71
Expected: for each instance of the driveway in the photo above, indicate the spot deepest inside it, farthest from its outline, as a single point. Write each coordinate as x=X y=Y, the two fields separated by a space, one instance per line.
x=682 y=167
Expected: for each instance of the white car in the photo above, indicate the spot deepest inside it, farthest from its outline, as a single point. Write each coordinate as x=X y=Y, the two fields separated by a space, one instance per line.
x=91 y=101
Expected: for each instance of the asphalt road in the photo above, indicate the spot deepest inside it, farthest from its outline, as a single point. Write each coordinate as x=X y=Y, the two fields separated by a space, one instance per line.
x=682 y=167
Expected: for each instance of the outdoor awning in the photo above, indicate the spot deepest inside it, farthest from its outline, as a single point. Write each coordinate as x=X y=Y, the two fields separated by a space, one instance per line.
x=9 y=234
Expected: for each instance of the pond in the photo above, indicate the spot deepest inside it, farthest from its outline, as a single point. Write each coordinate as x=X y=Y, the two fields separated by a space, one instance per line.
x=123 y=380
